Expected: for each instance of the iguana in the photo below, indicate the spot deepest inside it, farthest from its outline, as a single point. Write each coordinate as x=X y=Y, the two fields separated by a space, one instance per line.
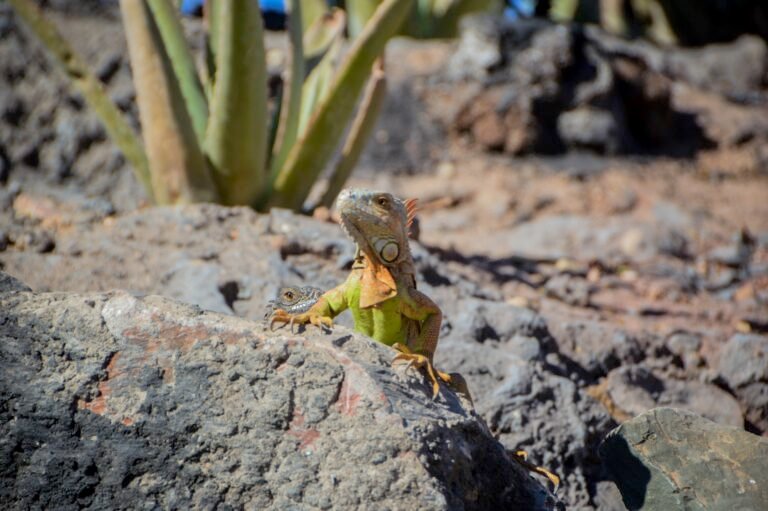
x=381 y=288
x=381 y=291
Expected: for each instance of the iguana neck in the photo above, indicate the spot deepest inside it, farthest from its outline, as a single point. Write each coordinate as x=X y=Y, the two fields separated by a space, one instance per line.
x=403 y=271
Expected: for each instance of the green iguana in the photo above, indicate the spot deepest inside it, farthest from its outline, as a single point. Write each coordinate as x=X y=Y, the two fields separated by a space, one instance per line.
x=381 y=288
x=381 y=291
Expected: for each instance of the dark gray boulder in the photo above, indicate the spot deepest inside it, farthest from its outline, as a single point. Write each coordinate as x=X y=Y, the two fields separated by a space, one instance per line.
x=670 y=459
x=634 y=389
x=744 y=360
x=110 y=401
x=551 y=88
x=508 y=357
x=744 y=367
x=9 y=284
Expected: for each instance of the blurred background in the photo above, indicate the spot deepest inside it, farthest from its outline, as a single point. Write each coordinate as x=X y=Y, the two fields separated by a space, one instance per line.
x=602 y=164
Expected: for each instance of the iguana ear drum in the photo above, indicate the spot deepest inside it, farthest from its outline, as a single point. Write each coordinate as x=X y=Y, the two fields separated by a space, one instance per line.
x=389 y=252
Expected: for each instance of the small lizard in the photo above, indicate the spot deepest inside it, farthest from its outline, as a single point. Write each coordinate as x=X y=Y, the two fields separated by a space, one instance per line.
x=293 y=299
x=381 y=288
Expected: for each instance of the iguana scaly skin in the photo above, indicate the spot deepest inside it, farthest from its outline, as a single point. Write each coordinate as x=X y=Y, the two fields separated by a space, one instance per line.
x=381 y=288
x=294 y=299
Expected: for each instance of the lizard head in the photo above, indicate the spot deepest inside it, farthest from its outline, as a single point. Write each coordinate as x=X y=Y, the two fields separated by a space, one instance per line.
x=377 y=222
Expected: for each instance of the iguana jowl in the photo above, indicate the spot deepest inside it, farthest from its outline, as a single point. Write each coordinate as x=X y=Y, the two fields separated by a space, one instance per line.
x=381 y=288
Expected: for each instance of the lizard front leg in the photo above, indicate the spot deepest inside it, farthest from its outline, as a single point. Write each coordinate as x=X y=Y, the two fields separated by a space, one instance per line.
x=417 y=306
x=419 y=350
x=418 y=360
x=313 y=316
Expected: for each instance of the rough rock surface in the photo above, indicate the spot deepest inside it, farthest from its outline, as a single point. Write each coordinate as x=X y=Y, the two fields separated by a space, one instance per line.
x=236 y=258
x=549 y=88
x=631 y=390
x=744 y=367
x=8 y=284
x=670 y=459
x=47 y=135
x=109 y=400
x=531 y=368
x=525 y=389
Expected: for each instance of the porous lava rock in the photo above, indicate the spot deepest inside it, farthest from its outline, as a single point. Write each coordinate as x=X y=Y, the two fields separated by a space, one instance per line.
x=108 y=400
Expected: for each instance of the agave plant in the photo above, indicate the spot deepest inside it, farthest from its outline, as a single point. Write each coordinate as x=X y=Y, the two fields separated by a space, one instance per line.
x=209 y=134
x=427 y=18
x=633 y=18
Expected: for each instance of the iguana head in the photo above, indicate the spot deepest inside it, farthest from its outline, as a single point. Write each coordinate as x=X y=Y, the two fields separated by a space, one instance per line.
x=378 y=223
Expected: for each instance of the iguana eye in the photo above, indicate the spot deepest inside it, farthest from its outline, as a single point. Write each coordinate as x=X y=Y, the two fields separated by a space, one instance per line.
x=390 y=252
x=288 y=295
x=382 y=201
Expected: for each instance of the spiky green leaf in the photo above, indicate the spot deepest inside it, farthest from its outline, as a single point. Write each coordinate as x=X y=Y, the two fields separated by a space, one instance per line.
x=359 y=133
x=183 y=64
x=290 y=108
x=359 y=12
x=311 y=10
x=179 y=170
x=311 y=154
x=236 y=138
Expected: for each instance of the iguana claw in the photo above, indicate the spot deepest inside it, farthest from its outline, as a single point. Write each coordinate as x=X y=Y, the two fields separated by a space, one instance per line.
x=417 y=360
x=281 y=316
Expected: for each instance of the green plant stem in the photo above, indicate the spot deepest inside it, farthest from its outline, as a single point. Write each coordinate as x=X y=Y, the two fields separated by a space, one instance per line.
x=359 y=12
x=311 y=11
x=183 y=64
x=237 y=135
x=290 y=109
x=320 y=36
x=90 y=87
x=359 y=133
x=318 y=83
x=179 y=170
x=308 y=157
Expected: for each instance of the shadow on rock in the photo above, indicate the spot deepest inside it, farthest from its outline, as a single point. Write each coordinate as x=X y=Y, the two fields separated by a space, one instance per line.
x=627 y=469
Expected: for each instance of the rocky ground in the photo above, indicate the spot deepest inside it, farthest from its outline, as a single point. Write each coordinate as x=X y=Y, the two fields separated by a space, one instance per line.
x=111 y=400
x=580 y=288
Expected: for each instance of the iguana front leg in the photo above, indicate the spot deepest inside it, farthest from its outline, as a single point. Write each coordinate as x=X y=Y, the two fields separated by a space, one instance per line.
x=321 y=314
x=420 y=349
x=318 y=319
x=418 y=360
